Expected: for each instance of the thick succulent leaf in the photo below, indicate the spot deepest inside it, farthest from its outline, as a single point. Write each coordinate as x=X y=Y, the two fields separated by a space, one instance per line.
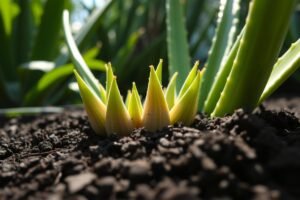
x=222 y=42
x=254 y=62
x=135 y=107
x=220 y=78
x=188 y=81
x=94 y=107
x=156 y=112
x=170 y=93
x=159 y=70
x=117 y=117
x=178 y=51
x=186 y=107
x=284 y=67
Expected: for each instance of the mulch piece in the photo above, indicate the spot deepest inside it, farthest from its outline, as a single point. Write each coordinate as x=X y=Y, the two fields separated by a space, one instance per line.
x=242 y=156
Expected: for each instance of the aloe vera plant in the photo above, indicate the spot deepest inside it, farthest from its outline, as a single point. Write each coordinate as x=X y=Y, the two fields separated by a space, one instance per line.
x=241 y=72
x=107 y=112
x=254 y=58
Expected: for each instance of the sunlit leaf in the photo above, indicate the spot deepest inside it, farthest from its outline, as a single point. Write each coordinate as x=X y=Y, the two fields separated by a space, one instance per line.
x=135 y=107
x=186 y=107
x=94 y=107
x=156 y=112
x=117 y=117
x=188 y=81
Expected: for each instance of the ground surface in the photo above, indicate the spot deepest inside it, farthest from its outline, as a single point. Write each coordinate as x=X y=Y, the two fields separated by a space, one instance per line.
x=244 y=156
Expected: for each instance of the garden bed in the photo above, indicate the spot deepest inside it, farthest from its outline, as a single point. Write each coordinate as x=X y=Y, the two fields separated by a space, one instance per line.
x=243 y=156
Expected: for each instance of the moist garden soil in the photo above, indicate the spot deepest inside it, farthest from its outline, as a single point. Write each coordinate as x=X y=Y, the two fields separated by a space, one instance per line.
x=242 y=156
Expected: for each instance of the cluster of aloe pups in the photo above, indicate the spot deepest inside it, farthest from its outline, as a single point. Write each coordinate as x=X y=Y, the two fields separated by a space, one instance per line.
x=108 y=113
x=241 y=72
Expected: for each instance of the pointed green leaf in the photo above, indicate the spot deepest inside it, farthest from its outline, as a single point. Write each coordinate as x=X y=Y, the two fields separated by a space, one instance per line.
x=186 y=107
x=94 y=107
x=254 y=62
x=135 y=107
x=188 y=81
x=178 y=51
x=284 y=67
x=117 y=117
x=156 y=112
x=222 y=42
x=220 y=79
x=170 y=93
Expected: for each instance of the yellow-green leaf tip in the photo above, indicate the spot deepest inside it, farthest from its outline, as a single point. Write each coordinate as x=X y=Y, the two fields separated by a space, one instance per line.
x=186 y=107
x=156 y=112
x=135 y=107
x=117 y=117
x=95 y=108
x=188 y=81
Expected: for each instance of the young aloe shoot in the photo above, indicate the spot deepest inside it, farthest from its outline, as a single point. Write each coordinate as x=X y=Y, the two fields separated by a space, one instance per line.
x=109 y=114
x=238 y=75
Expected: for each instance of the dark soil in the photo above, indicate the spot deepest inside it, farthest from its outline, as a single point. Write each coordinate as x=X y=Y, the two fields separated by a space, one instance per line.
x=243 y=156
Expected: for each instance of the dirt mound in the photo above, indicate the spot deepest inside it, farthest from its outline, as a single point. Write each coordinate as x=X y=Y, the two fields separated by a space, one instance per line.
x=243 y=156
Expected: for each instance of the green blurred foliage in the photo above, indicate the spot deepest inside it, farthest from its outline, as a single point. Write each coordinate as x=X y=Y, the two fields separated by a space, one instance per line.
x=130 y=34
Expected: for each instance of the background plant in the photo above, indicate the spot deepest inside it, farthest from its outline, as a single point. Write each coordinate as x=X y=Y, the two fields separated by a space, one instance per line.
x=31 y=31
x=31 y=38
x=228 y=83
x=104 y=38
x=106 y=110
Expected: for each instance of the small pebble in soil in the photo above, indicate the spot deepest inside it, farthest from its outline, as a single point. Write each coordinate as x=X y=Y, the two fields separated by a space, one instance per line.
x=45 y=146
x=78 y=182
